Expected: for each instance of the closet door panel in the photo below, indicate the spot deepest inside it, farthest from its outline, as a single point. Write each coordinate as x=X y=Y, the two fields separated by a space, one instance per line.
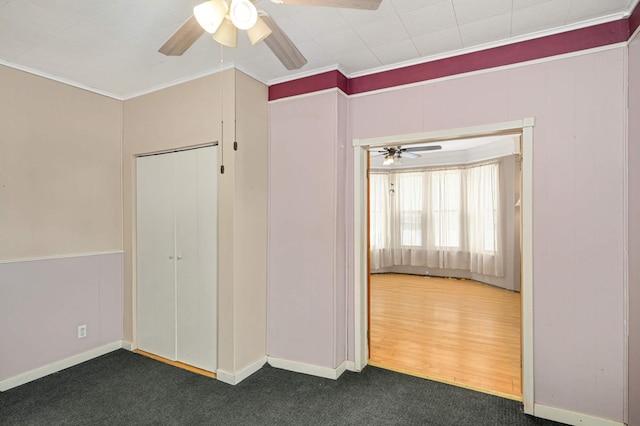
x=156 y=309
x=196 y=245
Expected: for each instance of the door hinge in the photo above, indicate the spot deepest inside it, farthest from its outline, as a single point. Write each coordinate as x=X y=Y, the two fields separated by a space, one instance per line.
x=368 y=334
x=368 y=173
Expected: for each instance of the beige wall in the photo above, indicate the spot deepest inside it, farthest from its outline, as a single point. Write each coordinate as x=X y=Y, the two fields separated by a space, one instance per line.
x=187 y=115
x=177 y=117
x=633 y=194
x=60 y=196
x=226 y=245
x=250 y=221
x=60 y=169
x=67 y=184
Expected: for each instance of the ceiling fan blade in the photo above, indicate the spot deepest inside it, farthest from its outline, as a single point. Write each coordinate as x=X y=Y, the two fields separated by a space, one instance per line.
x=183 y=38
x=347 y=4
x=283 y=47
x=422 y=148
x=409 y=155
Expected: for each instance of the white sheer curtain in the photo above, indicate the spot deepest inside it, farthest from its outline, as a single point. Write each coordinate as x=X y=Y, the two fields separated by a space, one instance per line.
x=437 y=218
x=380 y=219
x=484 y=217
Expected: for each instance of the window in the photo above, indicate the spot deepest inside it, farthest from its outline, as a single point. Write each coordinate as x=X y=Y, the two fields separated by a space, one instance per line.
x=482 y=196
x=409 y=195
x=446 y=192
x=443 y=218
x=378 y=207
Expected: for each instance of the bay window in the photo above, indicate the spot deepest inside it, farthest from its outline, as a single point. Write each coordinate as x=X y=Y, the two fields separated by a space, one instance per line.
x=447 y=218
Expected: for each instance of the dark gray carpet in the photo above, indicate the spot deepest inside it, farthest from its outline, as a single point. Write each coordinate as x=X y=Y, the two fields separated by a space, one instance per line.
x=122 y=388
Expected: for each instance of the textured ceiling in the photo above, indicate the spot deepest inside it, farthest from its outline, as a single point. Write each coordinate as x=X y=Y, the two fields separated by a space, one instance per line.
x=111 y=46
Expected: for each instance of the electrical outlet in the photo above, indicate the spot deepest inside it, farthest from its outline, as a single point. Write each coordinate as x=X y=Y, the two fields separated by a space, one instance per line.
x=82 y=331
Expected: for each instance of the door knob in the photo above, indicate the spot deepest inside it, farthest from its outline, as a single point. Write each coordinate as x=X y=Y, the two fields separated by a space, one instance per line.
x=179 y=257
x=170 y=257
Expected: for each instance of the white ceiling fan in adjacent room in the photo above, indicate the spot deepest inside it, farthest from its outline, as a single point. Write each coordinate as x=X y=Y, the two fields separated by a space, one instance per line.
x=393 y=155
x=223 y=19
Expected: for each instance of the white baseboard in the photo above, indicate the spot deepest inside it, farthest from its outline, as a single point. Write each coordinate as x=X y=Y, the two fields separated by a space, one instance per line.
x=341 y=369
x=571 y=417
x=235 y=378
x=313 y=370
x=351 y=366
x=54 y=367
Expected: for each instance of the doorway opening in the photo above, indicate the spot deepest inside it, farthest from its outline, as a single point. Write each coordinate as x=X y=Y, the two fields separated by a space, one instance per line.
x=521 y=131
x=444 y=262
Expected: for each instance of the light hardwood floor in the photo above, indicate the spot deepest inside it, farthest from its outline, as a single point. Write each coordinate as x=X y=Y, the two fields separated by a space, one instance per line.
x=455 y=331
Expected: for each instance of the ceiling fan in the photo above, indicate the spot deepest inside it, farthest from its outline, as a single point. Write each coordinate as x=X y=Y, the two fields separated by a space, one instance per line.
x=394 y=155
x=223 y=19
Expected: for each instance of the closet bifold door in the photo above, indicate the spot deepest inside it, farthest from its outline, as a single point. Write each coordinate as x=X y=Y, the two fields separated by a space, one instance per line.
x=156 y=308
x=177 y=220
x=196 y=257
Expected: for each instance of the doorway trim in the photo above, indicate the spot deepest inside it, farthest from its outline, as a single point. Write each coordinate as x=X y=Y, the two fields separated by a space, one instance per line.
x=360 y=248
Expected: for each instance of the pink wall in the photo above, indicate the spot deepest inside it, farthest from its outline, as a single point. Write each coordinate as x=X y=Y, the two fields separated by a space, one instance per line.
x=44 y=301
x=578 y=246
x=579 y=138
x=634 y=231
x=305 y=283
x=343 y=241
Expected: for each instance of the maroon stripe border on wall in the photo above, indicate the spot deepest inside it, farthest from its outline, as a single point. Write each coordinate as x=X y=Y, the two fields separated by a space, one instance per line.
x=634 y=21
x=326 y=80
x=585 y=38
x=557 y=44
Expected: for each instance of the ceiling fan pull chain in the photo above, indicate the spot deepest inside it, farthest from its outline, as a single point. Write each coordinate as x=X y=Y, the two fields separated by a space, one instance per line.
x=222 y=110
x=222 y=148
x=235 y=130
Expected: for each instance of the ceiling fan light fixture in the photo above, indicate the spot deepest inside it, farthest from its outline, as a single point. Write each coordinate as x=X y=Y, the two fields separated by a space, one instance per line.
x=210 y=14
x=388 y=160
x=227 y=34
x=243 y=14
x=259 y=31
